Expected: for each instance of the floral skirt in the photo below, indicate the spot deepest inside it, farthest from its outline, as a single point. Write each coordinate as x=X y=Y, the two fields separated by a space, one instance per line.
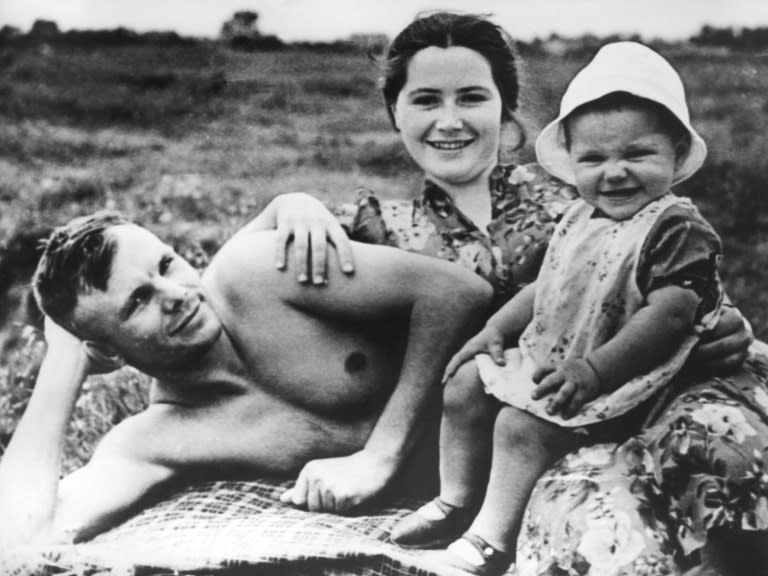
x=644 y=507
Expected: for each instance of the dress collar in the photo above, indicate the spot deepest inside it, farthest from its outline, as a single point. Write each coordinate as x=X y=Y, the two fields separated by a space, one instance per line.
x=434 y=199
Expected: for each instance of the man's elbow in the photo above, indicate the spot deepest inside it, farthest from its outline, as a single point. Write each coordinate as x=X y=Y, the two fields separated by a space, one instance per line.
x=472 y=294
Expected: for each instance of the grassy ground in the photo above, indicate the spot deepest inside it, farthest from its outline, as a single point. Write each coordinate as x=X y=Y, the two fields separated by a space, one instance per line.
x=193 y=140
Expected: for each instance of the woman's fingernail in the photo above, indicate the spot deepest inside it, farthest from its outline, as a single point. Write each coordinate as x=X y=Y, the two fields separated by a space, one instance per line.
x=348 y=268
x=303 y=277
x=318 y=279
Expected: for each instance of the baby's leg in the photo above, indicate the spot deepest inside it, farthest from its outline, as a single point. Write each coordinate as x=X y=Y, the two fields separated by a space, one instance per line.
x=524 y=447
x=465 y=438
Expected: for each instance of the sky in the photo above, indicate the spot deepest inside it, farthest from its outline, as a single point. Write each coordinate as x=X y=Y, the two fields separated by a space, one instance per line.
x=319 y=20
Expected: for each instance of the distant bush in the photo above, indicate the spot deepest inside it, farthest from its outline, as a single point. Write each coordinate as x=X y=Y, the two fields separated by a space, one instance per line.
x=340 y=87
x=71 y=190
x=388 y=159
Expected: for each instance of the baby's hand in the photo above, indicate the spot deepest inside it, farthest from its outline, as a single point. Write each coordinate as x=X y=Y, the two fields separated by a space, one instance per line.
x=489 y=341
x=576 y=383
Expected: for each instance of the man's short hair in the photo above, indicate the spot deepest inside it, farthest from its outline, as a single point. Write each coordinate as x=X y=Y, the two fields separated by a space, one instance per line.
x=77 y=257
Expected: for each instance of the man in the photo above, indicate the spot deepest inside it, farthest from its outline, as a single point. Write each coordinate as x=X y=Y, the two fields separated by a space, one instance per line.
x=255 y=373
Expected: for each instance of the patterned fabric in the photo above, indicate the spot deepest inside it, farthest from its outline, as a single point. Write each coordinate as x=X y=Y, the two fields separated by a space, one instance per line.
x=222 y=527
x=593 y=513
x=709 y=449
x=525 y=203
x=703 y=466
x=644 y=507
x=586 y=292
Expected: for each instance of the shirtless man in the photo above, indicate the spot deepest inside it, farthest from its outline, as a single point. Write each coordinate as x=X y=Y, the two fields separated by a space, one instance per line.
x=255 y=373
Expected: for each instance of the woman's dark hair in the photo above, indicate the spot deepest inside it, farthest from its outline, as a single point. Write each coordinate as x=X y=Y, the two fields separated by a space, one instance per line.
x=446 y=29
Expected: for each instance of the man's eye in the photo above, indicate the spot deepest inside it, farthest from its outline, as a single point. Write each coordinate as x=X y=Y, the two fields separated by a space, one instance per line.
x=165 y=263
x=134 y=304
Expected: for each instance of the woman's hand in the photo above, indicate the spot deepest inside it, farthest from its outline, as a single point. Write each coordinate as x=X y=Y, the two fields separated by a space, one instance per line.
x=488 y=341
x=726 y=346
x=311 y=225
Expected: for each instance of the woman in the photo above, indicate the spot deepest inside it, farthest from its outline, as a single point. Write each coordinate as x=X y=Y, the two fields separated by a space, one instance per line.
x=696 y=466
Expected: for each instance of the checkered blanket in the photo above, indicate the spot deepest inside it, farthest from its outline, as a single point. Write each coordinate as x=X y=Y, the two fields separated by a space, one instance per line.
x=231 y=528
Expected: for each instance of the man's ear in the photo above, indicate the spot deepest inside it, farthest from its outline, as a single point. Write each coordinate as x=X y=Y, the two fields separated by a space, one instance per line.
x=103 y=357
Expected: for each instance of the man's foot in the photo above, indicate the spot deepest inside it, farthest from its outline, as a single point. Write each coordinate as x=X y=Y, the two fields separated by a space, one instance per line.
x=474 y=555
x=432 y=526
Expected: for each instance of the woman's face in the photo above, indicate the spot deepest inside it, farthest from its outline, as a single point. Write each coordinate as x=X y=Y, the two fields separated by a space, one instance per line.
x=449 y=115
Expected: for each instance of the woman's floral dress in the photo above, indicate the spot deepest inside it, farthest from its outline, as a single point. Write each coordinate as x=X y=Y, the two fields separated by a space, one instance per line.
x=640 y=506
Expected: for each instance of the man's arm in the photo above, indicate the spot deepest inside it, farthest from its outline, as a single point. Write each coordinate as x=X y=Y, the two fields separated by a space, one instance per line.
x=443 y=304
x=30 y=468
x=35 y=505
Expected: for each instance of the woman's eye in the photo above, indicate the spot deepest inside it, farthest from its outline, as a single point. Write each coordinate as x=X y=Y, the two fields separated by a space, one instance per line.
x=590 y=159
x=474 y=98
x=425 y=101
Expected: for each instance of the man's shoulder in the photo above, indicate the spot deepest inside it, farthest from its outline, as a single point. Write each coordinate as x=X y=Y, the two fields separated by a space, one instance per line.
x=243 y=263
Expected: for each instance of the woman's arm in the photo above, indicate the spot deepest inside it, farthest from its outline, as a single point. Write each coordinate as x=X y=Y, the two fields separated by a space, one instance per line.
x=726 y=346
x=305 y=220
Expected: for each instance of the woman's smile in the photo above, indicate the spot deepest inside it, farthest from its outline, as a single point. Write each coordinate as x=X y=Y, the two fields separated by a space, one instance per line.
x=450 y=145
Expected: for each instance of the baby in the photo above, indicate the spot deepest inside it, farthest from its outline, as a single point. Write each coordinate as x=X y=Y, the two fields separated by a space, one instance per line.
x=628 y=282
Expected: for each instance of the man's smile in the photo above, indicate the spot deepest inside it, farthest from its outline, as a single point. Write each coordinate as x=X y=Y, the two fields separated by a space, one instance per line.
x=184 y=318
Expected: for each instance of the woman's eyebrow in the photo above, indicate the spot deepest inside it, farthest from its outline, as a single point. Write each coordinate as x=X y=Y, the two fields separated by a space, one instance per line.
x=424 y=90
x=477 y=88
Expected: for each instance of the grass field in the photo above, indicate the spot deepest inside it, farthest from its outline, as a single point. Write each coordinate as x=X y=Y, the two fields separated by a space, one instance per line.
x=192 y=140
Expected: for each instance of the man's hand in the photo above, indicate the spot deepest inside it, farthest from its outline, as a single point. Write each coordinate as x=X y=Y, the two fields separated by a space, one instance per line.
x=575 y=382
x=63 y=343
x=726 y=346
x=305 y=219
x=488 y=341
x=339 y=484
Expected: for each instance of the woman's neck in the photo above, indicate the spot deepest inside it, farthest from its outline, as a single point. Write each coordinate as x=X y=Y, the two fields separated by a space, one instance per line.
x=473 y=198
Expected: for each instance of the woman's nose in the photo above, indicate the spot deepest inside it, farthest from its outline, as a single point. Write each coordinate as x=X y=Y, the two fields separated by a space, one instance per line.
x=449 y=118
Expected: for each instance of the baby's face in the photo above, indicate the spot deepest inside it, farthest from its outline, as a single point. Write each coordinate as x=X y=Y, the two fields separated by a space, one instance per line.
x=622 y=159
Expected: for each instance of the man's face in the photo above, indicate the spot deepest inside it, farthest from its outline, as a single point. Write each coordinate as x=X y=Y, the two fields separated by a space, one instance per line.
x=154 y=312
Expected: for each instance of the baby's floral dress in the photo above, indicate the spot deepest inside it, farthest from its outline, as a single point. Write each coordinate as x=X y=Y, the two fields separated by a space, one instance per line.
x=640 y=506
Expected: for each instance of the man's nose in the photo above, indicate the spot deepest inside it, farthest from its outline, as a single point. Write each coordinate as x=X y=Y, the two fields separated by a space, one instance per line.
x=173 y=294
x=449 y=118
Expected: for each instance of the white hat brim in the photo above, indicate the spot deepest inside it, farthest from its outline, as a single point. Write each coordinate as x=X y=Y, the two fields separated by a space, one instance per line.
x=551 y=151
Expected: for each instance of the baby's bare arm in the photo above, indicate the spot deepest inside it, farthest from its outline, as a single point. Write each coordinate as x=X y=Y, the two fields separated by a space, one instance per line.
x=648 y=339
